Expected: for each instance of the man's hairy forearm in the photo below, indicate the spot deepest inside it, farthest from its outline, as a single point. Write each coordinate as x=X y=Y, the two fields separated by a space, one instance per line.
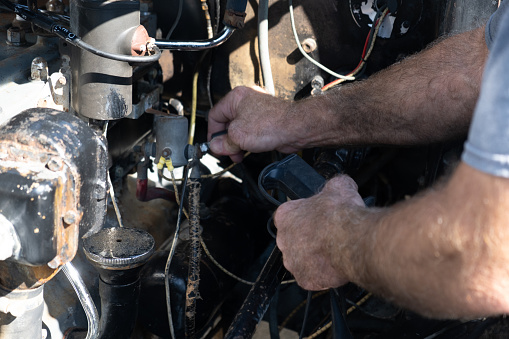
x=428 y=97
x=443 y=254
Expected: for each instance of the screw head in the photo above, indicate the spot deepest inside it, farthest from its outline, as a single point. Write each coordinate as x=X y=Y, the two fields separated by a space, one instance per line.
x=70 y=217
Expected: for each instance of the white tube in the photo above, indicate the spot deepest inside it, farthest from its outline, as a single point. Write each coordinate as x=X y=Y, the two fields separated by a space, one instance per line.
x=263 y=46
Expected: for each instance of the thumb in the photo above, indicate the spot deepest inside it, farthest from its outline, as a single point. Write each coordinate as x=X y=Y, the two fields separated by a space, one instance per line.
x=223 y=145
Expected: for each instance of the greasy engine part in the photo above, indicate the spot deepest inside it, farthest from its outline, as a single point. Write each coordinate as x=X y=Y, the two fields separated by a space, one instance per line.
x=171 y=138
x=118 y=254
x=53 y=174
x=231 y=232
x=330 y=31
x=102 y=88
x=325 y=26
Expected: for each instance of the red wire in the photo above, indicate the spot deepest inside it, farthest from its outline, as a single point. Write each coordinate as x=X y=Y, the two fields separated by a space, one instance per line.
x=360 y=62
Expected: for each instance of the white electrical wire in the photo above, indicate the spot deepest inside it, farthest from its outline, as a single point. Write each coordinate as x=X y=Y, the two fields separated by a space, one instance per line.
x=316 y=63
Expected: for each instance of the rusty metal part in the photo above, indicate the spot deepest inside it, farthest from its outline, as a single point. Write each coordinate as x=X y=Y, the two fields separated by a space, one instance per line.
x=234 y=19
x=46 y=191
x=18 y=276
x=47 y=180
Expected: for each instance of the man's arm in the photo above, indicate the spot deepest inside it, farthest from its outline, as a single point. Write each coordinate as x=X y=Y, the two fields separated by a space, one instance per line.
x=425 y=98
x=443 y=254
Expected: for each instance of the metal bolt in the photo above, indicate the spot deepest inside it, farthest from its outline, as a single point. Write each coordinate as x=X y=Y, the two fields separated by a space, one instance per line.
x=166 y=153
x=39 y=69
x=317 y=82
x=55 y=6
x=15 y=36
x=56 y=262
x=99 y=192
x=55 y=164
x=70 y=217
x=309 y=45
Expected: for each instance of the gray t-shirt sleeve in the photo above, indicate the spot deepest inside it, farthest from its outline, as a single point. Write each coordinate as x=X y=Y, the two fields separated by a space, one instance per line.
x=492 y=26
x=487 y=147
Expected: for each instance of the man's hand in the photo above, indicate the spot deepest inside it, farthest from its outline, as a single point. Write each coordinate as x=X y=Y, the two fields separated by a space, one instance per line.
x=255 y=121
x=317 y=235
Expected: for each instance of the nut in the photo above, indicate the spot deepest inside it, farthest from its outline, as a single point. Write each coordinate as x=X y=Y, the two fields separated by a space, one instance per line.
x=15 y=36
x=166 y=153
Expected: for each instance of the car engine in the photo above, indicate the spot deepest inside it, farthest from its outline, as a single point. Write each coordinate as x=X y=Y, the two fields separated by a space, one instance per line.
x=115 y=219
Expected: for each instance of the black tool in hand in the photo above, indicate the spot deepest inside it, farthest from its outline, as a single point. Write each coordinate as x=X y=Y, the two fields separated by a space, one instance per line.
x=295 y=178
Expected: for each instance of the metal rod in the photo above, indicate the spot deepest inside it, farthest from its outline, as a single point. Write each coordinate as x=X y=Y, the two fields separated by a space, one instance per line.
x=198 y=45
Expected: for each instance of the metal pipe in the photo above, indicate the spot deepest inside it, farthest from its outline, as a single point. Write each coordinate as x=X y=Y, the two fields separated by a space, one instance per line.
x=85 y=299
x=198 y=45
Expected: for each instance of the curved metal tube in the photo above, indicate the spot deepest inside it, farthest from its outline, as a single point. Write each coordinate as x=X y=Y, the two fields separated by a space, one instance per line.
x=198 y=45
x=85 y=299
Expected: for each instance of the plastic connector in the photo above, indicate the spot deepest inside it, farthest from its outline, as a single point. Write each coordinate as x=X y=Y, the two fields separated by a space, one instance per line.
x=169 y=165
x=161 y=163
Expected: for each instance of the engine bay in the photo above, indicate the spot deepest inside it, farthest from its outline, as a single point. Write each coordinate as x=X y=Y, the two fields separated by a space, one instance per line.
x=116 y=221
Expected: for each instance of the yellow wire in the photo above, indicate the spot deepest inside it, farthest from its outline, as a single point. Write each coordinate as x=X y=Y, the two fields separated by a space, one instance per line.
x=194 y=103
x=205 y=176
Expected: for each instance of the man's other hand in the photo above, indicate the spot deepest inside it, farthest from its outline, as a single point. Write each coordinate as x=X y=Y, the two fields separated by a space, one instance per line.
x=317 y=235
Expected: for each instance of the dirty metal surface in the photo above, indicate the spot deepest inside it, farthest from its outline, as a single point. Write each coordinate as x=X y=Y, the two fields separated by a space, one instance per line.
x=317 y=20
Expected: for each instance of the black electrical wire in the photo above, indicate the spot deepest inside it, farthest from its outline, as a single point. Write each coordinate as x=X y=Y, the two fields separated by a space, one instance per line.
x=177 y=19
x=47 y=23
x=371 y=314
x=271 y=227
x=306 y=314
x=118 y=57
